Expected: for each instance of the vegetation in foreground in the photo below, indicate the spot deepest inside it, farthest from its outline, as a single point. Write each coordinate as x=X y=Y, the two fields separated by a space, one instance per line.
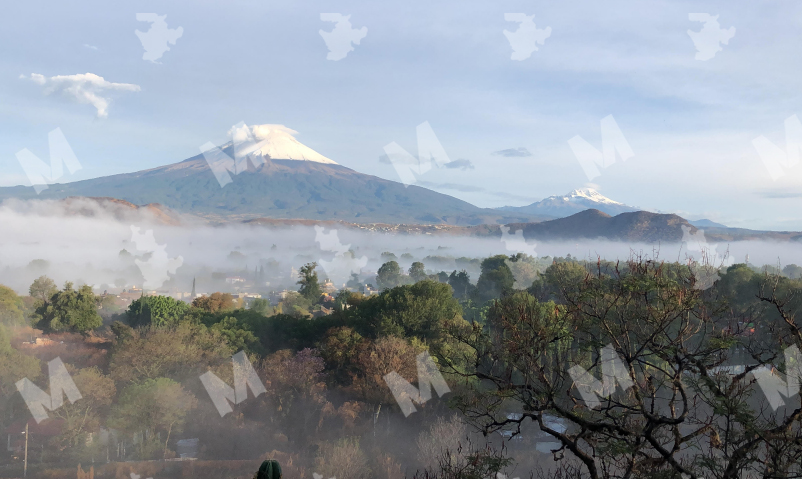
x=505 y=348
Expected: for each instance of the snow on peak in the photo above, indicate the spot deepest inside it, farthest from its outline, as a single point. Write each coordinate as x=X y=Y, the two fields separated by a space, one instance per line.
x=272 y=141
x=590 y=194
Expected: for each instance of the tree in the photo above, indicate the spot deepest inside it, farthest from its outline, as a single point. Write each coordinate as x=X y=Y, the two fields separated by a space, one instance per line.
x=296 y=393
x=417 y=272
x=379 y=358
x=524 y=268
x=420 y=310
x=344 y=459
x=389 y=275
x=214 y=302
x=294 y=303
x=177 y=352
x=86 y=415
x=339 y=349
x=680 y=405
x=153 y=406
x=69 y=310
x=13 y=366
x=461 y=284
x=11 y=307
x=793 y=271
x=261 y=306
x=155 y=311
x=307 y=278
x=496 y=278
x=443 y=438
x=43 y=288
x=238 y=336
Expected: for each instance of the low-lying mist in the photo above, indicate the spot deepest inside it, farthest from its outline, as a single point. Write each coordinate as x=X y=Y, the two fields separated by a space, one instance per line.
x=84 y=242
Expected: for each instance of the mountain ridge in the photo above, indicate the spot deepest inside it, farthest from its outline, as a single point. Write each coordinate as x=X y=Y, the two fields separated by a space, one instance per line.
x=278 y=188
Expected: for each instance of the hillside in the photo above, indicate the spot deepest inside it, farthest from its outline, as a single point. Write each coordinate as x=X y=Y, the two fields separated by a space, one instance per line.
x=592 y=224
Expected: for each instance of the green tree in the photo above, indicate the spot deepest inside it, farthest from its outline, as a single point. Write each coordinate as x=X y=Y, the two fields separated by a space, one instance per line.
x=461 y=283
x=11 y=307
x=13 y=367
x=496 y=278
x=151 y=407
x=69 y=310
x=155 y=311
x=417 y=272
x=421 y=310
x=339 y=350
x=43 y=288
x=261 y=306
x=389 y=275
x=307 y=278
x=237 y=334
x=84 y=416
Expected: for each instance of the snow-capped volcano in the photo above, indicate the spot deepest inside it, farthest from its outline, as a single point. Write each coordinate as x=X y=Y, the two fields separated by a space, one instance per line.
x=585 y=195
x=276 y=142
x=578 y=200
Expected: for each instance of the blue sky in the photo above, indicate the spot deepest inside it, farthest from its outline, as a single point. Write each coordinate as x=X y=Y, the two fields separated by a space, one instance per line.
x=690 y=123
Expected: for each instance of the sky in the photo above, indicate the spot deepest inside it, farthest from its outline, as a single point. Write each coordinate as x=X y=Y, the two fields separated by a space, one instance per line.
x=501 y=109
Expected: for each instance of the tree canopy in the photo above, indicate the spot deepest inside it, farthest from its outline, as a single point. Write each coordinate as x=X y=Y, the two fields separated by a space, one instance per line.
x=155 y=311
x=307 y=279
x=69 y=310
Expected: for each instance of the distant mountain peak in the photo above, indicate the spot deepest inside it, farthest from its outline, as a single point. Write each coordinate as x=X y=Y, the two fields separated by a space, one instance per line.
x=276 y=142
x=590 y=194
x=561 y=206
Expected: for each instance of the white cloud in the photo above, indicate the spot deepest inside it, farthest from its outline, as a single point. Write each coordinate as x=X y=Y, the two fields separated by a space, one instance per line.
x=84 y=87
